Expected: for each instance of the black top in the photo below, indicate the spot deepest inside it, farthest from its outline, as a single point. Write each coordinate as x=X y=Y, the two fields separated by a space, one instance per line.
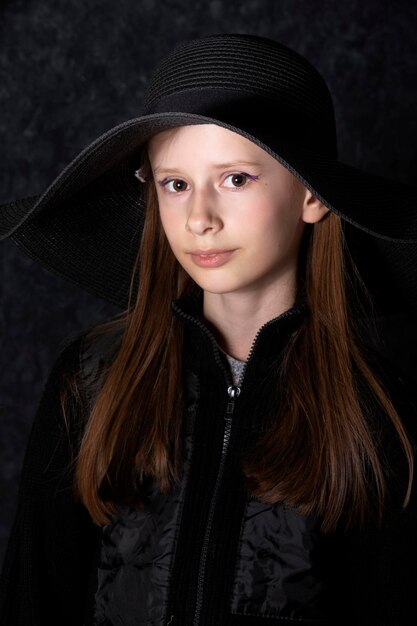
x=208 y=555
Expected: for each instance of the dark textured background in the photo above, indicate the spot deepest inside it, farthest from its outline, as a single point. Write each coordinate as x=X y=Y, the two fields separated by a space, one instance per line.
x=70 y=70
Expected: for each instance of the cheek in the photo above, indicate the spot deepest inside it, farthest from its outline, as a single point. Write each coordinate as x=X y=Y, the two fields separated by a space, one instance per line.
x=164 y=219
x=174 y=232
x=169 y=223
x=276 y=222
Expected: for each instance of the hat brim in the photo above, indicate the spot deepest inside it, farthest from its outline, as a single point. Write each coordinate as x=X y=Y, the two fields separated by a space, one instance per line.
x=95 y=207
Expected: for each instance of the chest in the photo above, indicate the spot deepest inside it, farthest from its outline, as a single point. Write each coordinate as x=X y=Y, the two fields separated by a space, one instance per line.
x=208 y=551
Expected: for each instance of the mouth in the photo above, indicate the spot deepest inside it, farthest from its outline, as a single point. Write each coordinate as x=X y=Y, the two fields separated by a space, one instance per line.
x=211 y=258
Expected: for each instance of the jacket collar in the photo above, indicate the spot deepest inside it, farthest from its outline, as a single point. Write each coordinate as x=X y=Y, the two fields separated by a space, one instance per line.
x=267 y=347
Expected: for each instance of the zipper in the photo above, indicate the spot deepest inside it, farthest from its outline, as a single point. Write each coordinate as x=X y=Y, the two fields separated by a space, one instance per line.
x=212 y=339
x=233 y=392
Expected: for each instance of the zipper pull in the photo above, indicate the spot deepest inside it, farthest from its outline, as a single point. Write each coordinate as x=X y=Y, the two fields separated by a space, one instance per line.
x=233 y=392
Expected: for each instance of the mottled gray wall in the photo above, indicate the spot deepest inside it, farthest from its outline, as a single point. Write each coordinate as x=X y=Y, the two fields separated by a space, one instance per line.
x=71 y=70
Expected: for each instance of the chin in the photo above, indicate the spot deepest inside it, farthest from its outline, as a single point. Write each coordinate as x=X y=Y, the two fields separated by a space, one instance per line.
x=216 y=286
x=213 y=280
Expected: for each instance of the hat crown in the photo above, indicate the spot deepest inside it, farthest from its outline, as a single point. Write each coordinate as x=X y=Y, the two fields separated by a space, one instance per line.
x=248 y=64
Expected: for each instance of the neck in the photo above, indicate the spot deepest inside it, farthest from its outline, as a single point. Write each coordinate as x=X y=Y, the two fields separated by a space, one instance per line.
x=235 y=318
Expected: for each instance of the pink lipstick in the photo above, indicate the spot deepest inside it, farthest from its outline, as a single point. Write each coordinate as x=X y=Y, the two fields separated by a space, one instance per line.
x=211 y=258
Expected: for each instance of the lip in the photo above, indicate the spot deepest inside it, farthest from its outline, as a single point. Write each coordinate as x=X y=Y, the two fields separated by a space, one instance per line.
x=219 y=257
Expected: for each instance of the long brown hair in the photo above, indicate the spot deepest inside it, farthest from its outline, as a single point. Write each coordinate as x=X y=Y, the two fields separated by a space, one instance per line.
x=327 y=453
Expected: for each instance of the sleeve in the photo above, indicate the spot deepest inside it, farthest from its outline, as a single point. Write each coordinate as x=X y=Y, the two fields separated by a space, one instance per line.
x=48 y=571
x=375 y=576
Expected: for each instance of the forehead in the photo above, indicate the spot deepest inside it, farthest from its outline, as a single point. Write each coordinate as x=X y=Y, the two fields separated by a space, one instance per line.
x=202 y=138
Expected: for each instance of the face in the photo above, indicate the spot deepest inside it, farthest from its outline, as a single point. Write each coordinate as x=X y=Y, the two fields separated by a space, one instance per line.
x=221 y=195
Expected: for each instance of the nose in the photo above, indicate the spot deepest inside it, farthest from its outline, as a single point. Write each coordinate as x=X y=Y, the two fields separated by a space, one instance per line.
x=202 y=215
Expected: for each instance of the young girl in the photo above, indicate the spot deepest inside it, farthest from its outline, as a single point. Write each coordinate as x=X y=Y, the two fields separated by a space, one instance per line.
x=229 y=449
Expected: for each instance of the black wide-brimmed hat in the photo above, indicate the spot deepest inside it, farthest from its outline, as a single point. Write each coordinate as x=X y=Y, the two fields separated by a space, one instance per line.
x=87 y=225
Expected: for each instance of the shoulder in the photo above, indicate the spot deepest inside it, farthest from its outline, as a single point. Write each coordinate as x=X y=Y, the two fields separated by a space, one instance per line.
x=400 y=386
x=85 y=356
x=97 y=350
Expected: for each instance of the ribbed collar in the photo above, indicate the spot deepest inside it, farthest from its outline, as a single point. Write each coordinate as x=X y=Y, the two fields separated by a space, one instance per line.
x=266 y=348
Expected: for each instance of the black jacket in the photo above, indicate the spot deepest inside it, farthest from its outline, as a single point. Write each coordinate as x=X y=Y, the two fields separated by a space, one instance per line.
x=207 y=554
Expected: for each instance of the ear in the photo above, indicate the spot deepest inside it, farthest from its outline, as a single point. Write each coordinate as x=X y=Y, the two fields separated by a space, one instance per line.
x=313 y=210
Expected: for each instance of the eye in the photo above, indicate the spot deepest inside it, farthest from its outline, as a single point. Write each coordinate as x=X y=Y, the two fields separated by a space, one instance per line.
x=178 y=184
x=240 y=179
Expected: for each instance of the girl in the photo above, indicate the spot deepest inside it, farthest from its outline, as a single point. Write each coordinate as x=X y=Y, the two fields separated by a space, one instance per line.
x=229 y=449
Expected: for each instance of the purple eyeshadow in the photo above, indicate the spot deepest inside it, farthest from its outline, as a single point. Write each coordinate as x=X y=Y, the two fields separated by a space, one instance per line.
x=162 y=182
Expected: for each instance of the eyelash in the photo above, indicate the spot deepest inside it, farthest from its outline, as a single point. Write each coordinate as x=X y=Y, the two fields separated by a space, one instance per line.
x=163 y=183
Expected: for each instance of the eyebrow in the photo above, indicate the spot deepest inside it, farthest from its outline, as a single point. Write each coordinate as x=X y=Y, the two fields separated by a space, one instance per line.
x=166 y=170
